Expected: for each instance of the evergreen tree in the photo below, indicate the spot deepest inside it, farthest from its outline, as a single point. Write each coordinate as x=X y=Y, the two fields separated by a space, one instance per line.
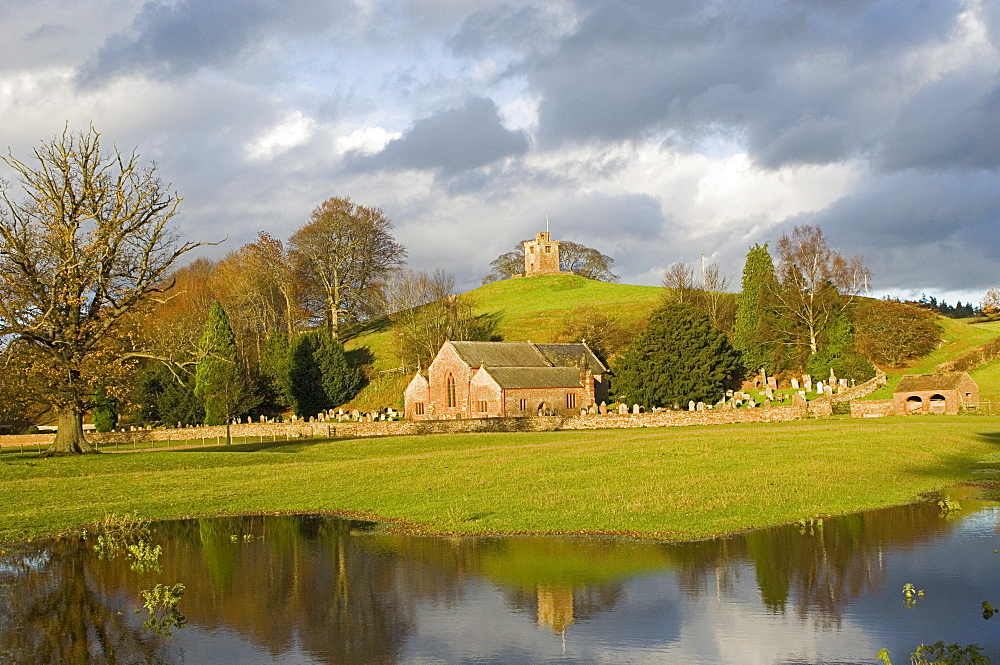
x=319 y=375
x=219 y=379
x=341 y=382
x=276 y=370
x=305 y=379
x=753 y=333
x=105 y=410
x=678 y=357
x=166 y=398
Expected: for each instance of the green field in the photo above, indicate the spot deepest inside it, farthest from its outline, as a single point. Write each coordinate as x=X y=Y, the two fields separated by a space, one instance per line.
x=957 y=338
x=671 y=483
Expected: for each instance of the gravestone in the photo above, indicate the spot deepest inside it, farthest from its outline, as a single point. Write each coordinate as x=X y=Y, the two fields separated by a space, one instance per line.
x=603 y=409
x=622 y=409
x=691 y=406
x=768 y=394
x=827 y=390
x=795 y=383
x=772 y=383
x=819 y=387
x=767 y=403
x=635 y=408
x=807 y=382
x=833 y=377
x=700 y=406
x=592 y=410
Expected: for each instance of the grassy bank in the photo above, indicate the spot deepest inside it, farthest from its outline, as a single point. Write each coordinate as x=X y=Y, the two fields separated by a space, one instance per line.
x=674 y=483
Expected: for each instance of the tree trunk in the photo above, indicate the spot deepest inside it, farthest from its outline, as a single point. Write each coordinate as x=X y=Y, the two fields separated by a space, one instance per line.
x=69 y=438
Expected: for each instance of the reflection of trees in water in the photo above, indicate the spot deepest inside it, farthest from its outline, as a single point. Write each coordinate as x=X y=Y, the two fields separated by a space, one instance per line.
x=313 y=583
x=52 y=610
x=822 y=564
x=282 y=581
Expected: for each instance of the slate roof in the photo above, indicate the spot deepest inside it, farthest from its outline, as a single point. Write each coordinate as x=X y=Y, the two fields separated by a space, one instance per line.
x=511 y=378
x=500 y=354
x=526 y=354
x=568 y=355
x=914 y=383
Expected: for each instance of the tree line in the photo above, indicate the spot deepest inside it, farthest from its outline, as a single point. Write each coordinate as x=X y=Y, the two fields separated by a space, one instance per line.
x=801 y=313
x=98 y=315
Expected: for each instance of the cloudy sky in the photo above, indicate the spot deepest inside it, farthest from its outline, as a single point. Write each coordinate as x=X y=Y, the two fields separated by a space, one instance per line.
x=650 y=130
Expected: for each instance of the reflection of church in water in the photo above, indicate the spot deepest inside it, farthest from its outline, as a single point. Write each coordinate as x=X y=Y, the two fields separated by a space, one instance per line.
x=555 y=607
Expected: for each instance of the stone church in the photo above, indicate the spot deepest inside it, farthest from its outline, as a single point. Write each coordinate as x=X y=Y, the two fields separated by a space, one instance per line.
x=506 y=379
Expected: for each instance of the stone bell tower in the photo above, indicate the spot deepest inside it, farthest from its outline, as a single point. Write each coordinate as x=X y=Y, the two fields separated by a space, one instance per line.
x=541 y=256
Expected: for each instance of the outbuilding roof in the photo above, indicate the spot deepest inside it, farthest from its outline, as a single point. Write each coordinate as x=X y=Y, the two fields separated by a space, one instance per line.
x=511 y=378
x=915 y=383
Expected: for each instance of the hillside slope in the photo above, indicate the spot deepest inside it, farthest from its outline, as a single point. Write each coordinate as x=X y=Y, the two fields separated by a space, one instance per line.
x=536 y=309
x=529 y=309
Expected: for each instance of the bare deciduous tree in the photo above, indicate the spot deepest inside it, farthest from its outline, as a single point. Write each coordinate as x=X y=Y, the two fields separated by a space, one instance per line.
x=815 y=283
x=679 y=282
x=345 y=254
x=83 y=244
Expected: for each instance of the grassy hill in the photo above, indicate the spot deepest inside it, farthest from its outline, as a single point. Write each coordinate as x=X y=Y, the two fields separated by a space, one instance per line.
x=529 y=309
x=536 y=309
x=958 y=337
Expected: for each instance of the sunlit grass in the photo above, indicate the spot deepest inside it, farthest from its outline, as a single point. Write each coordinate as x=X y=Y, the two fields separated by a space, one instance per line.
x=672 y=483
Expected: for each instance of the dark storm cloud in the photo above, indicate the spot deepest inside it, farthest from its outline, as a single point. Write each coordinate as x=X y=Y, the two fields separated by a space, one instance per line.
x=451 y=141
x=800 y=80
x=955 y=122
x=917 y=228
x=502 y=27
x=170 y=41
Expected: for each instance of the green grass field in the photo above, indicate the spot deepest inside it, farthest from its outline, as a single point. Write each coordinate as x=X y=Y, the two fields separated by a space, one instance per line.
x=672 y=483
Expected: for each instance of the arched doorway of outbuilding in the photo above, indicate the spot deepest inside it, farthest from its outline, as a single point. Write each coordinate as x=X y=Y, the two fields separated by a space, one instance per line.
x=938 y=404
x=914 y=405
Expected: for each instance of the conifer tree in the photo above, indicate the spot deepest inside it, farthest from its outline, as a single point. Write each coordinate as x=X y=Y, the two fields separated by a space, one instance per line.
x=305 y=380
x=320 y=376
x=219 y=379
x=341 y=381
x=753 y=330
x=678 y=357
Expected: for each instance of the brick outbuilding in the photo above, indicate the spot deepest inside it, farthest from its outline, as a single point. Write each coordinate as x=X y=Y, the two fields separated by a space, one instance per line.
x=506 y=379
x=942 y=393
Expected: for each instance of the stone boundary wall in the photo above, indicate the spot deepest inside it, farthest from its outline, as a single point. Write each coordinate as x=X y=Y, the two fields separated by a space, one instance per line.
x=970 y=360
x=875 y=408
x=862 y=389
x=161 y=438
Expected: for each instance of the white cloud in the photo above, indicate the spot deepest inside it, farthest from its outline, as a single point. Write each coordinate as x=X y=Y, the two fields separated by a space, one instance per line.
x=293 y=130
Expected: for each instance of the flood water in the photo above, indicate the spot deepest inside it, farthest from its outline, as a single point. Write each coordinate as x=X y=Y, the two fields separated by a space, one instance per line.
x=308 y=589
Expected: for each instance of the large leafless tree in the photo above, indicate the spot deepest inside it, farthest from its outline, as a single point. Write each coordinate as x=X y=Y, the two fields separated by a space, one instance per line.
x=84 y=242
x=345 y=254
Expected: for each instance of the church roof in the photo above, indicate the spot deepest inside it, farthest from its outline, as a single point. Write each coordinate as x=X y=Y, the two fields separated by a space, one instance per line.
x=535 y=377
x=914 y=383
x=568 y=355
x=500 y=354
x=527 y=354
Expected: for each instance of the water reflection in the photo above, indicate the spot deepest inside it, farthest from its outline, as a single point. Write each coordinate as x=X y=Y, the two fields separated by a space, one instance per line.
x=322 y=590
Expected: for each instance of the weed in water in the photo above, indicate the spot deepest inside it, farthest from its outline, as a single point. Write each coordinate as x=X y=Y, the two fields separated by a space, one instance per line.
x=161 y=603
